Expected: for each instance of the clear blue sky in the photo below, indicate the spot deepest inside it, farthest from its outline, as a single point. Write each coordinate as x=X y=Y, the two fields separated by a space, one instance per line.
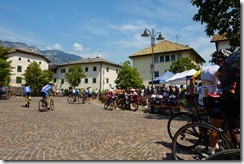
x=113 y=27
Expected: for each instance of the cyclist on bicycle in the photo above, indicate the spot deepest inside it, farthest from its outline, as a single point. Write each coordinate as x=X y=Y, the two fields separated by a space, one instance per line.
x=210 y=84
x=111 y=95
x=46 y=90
x=76 y=94
x=26 y=93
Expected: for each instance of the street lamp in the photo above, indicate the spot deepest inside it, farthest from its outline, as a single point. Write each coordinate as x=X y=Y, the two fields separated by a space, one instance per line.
x=148 y=33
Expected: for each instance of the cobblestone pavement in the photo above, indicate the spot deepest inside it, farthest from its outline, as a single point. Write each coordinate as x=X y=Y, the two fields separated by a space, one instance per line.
x=80 y=132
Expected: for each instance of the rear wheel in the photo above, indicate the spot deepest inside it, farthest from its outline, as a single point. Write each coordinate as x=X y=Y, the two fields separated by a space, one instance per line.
x=42 y=105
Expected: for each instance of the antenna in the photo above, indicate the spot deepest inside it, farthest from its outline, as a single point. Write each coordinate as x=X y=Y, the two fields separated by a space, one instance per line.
x=176 y=38
x=98 y=54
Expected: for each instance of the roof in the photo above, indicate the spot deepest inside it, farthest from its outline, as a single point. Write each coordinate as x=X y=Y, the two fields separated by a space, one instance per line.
x=13 y=50
x=218 y=37
x=89 y=60
x=163 y=47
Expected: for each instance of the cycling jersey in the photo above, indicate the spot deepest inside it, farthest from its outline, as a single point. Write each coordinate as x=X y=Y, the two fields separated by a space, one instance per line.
x=26 y=90
x=46 y=89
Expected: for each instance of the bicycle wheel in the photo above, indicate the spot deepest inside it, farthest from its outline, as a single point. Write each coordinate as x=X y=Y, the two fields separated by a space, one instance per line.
x=80 y=100
x=106 y=104
x=176 y=121
x=191 y=141
x=133 y=106
x=42 y=105
x=70 y=99
x=28 y=103
x=111 y=106
x=231 y=154
x=51 y=104
x=120 y=103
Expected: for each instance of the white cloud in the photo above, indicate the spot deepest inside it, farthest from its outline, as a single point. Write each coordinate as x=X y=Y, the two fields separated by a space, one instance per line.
x=55 y=47
x=78 y=47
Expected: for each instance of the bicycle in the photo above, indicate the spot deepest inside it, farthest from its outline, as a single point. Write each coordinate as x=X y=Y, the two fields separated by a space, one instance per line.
x=42 y=105
x=72 y=99
x=27 y=101
x=191 y=142
x=109 y=103
x=182 y=118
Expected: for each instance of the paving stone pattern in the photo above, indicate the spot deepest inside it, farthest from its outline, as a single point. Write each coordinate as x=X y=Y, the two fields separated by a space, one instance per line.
x=80 y=132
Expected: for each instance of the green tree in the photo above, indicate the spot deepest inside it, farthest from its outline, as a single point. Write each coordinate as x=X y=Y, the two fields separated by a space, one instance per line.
x=128 y=77
x=220 y=16
x=181 y=65
x=36 y=77
x=74 y=75
x=5 y=66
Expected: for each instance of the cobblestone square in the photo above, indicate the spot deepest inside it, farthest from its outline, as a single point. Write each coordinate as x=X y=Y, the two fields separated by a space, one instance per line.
x=80 y=132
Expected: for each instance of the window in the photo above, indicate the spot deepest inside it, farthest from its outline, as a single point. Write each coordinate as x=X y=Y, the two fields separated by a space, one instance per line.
x=86 y=80
x=107 y=69
x=40 y=62
x=94 y=80
x=86 y=69
x=161 y=59
x=79 y=81
x=19 y=68
x=62 y=81
x=19 y=59
x=155 y=59
x=18 y=80
x=28 y=60
x=172 y=57
x=62 y=70
x=94 y=69
x=107 y=80
x=117 y=71
x=55 y=80
x=156 y=74
x=179 y=56
x=167 y=58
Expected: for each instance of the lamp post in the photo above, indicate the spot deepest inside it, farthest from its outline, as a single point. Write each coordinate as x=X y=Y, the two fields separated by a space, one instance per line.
x=148 y=33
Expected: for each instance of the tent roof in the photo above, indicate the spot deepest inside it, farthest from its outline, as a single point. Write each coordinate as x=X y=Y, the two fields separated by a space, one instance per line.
x=166 y=75
x=180 y=78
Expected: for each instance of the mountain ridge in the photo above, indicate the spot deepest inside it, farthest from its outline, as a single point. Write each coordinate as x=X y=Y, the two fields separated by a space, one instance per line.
x=55 y=56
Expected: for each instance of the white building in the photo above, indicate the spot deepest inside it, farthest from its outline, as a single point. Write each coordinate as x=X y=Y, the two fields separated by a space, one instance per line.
x=100 y=74
x=20 y=61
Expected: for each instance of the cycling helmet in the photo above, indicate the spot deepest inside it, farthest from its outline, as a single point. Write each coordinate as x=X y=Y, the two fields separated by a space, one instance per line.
x=220 y=55
x=50 y=83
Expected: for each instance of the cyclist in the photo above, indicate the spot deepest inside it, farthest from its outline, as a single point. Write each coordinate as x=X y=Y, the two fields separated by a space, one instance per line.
x=76 y=94
x=46 y=90
x=210 y=84
x=229 y=75
x=111 y=95
x=26 y=93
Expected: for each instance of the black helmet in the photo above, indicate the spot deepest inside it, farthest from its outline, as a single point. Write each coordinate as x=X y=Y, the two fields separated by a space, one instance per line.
x=220 y=55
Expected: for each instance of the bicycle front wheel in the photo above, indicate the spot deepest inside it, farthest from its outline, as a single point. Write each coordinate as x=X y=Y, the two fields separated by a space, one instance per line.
x=70 y=99
x=231 y=154
x=51 y=104
x=191 y=141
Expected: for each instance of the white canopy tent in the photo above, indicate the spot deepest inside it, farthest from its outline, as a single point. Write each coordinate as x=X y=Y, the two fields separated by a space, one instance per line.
x=181 y=78
x=161 y=79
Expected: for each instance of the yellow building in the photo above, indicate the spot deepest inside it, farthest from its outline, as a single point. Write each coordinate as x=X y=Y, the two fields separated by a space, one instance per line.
x=165 y=52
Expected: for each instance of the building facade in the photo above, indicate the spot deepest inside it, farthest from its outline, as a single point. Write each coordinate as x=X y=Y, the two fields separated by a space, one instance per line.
x=100 y=74
x=20 y=60
x=165 y=53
